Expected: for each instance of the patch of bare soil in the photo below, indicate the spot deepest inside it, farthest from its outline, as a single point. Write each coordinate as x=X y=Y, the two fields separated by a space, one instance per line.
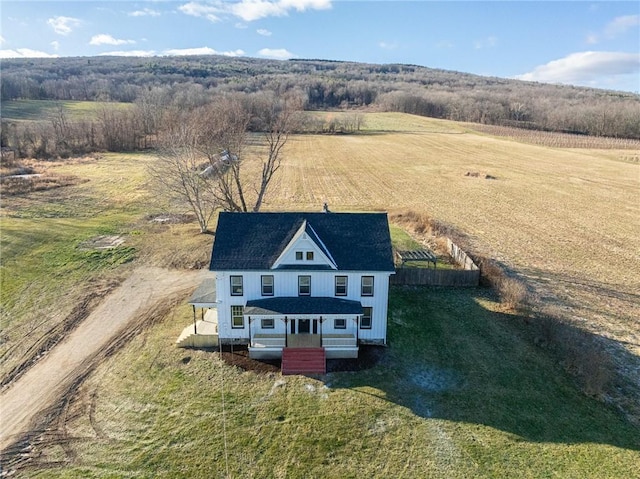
x=58 y=332
x=102 y=242
x=35 y=405
x=171 y=218
x=20 y=177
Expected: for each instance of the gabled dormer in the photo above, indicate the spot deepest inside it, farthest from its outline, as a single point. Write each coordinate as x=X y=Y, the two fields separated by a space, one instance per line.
x=306 y=250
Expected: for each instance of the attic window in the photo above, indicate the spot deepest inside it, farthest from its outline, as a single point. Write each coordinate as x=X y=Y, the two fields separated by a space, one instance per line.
x=309 y=255
x=299 y=255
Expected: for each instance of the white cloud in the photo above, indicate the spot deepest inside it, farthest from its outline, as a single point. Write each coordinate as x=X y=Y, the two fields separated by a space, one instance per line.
x=56 y=45
x=202 y=51
x=263 y=32
x=250 y=10
x=145 y=12
x=63 y=25
x=444 y=44
x=276 y=53
x=104 y=39
x=620 y=25
x=210 y=12
x=592 y=38
x=615 y=28
x=302 y=5
x=25 y=53
x=489 y=42
x=388 y=46
x=585 y=68
x=129 y=53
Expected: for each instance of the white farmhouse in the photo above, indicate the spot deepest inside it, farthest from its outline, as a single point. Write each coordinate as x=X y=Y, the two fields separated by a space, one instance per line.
x=301 y=280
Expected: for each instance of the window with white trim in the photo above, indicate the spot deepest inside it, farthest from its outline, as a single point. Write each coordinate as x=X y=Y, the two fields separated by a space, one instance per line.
x=267 y=323
x=236 y=285
x=237 y=317
x=309 y=255
x=341 y=286
x=367 y=286
x=340 y=323
x=267 y=285
x=304 y=285
x=365 y=320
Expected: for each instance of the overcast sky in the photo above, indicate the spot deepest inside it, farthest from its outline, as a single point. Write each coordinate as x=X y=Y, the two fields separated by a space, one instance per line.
x=593 y=43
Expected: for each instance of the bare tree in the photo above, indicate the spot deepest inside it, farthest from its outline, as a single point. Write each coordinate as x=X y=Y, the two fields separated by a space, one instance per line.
x=279 y=117
x=223 y=139
x=202 y=153
x=180 y=174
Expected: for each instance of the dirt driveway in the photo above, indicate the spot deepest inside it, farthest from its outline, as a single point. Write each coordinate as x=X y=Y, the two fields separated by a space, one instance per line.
x=26 y=404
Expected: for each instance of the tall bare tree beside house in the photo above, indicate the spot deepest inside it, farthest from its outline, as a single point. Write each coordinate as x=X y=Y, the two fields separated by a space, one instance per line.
x=202 y=153
x=224 y=137
x=179 y=175
x=280 y=116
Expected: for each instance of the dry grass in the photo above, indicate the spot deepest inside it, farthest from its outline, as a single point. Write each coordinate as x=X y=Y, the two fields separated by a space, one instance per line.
x=566 y=220
x=560 y=140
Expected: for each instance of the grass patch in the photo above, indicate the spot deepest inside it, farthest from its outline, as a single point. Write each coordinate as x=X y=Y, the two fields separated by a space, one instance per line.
x=401 y=240
x=459 y=393
x=38 y=110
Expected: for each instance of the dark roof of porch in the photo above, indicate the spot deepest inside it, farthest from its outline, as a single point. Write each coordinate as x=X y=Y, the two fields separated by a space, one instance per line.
x=302 y=305
x=205 y=293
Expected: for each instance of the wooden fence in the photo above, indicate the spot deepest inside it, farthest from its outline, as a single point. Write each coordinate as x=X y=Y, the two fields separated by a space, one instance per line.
x=469 y=276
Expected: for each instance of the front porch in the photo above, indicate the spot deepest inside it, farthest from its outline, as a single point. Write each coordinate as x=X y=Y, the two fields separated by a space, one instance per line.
x=270 y=346
x=303 y=322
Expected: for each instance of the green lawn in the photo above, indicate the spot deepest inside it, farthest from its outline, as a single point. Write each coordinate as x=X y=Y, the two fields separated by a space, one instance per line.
x=44 y=109
x=458 y=393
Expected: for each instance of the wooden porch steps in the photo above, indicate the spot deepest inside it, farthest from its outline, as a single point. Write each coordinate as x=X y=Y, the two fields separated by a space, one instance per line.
x=304 y=361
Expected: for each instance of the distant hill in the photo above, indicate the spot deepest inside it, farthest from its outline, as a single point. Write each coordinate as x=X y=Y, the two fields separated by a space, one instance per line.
x=327 y=84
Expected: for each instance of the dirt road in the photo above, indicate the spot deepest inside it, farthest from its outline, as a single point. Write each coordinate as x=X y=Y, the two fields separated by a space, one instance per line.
x=24 y=404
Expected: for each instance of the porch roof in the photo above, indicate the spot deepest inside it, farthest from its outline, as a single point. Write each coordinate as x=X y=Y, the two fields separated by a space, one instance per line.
x=302 y=305
x=205 y=294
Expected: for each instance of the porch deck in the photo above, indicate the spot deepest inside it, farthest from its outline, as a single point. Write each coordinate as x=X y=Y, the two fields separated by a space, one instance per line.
x=270 y=346
x=203 y=335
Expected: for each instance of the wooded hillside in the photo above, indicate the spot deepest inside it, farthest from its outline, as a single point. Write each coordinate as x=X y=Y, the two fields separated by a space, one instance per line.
x=190 y=81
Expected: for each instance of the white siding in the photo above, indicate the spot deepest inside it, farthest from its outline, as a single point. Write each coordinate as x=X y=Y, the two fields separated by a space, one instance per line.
x=303 y=244
x=286 y=284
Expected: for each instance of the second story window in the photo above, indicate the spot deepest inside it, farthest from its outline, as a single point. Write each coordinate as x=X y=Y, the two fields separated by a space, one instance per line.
x=267 y=285
x=367 y=286
x=304 y=285
x=236 y=285
x=341 y=285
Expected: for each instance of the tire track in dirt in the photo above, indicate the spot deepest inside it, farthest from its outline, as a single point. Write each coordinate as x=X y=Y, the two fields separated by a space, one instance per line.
x=36 y=399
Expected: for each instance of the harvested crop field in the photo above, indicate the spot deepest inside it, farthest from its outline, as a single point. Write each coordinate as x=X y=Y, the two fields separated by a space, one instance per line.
x=564 y=219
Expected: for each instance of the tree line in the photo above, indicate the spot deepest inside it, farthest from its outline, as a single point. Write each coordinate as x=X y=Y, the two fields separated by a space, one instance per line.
x=155 y=85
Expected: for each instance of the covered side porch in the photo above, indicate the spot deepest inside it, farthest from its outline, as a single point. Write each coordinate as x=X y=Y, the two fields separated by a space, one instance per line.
x=203 y=332
x=303 y=322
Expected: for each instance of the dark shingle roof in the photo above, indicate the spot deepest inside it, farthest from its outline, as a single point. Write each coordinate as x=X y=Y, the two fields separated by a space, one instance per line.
x=303 y=305
x=205 y=293
x=253 y=241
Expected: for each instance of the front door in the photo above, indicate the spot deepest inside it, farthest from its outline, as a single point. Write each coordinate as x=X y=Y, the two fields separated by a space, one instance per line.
x=304 y=326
